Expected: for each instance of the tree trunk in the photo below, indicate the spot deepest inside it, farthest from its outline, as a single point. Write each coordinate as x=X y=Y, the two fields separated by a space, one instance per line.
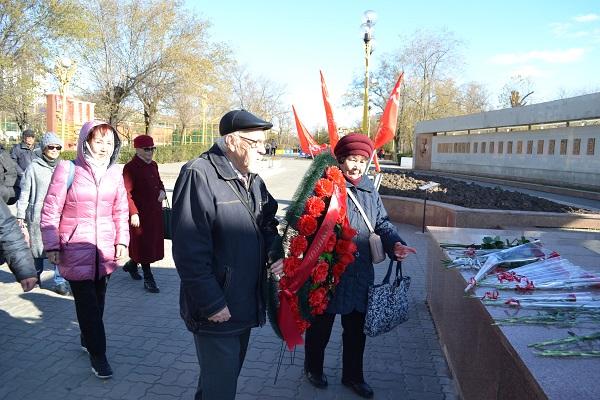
x=183 y=133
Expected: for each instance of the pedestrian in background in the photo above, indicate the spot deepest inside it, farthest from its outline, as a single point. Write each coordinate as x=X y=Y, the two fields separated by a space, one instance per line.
x=34 y=186
x=85 y=230
x=145 y=193
x=14 y=249
x=24 y=153
x=223 y=225
x=9 y=178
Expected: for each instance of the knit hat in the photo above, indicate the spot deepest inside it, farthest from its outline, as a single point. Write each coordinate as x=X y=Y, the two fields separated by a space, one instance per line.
x=50 y=138
x=239 y=120
x=143 y=141
x=354 y=144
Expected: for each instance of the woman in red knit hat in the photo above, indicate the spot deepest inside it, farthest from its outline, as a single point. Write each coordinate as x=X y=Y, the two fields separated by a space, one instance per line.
x=145 y=192
x=350 y=297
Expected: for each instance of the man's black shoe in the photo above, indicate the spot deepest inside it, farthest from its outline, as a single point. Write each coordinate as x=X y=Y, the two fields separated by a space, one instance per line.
x=150 y=285
x=317 y=381
x=360 y=388
x=131 y=267
x=100 y=367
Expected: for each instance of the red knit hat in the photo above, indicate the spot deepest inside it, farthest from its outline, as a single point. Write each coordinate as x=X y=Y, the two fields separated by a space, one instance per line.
x=143 y=141
x=354 y=144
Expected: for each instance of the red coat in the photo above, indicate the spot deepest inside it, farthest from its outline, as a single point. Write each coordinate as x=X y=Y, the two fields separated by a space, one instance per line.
x=143 y=186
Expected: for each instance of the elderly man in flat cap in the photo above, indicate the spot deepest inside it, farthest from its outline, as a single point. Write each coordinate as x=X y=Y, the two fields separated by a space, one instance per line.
x=223 y=225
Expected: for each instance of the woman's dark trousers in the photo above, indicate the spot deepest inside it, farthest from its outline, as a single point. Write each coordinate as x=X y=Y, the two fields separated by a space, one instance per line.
x=353 y=341
x=89 y=304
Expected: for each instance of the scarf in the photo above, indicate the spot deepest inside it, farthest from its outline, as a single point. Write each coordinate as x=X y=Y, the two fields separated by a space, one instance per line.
x=98 y=167
x=355 y=182
x=49 y=161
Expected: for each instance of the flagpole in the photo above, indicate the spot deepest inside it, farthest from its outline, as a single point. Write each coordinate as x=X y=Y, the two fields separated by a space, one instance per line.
x=369 y=21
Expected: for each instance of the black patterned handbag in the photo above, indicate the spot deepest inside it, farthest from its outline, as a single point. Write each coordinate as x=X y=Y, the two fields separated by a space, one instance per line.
x=387 y=306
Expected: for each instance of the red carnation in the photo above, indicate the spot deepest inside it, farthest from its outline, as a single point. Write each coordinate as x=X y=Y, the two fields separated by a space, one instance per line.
x=317 y=296
x=302 y=325
x=338 y=270
x=291 y=265
x=324 y=188
x=334 y=174
x=319 y=273
x=345 y=247
x=314 y=206
x=345 y=258
x=347 y=232
x=298 y=245
x=307 y=225
x=330 y=243
x=320 y=308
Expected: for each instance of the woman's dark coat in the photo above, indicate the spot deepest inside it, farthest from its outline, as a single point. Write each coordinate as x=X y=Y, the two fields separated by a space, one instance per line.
x=143 y=186
x=352 y=291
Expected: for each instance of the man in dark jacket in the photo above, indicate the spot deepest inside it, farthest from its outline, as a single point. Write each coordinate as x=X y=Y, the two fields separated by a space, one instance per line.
x=14 y=250
x=23 y=153
x=9 y=175
x=223 y=225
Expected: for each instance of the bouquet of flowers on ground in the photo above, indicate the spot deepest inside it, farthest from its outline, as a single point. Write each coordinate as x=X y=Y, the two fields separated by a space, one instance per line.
x=572 y=300
x=512 y=257
x=316 y=248
x=473 y=256
x=551 y=273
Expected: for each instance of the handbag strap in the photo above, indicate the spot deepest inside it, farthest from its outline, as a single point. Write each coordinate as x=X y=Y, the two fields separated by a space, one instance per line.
x=360 y=210
x=386 y=279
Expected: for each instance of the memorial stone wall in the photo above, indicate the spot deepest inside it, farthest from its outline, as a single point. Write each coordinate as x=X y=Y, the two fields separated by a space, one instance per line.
x=555 y=143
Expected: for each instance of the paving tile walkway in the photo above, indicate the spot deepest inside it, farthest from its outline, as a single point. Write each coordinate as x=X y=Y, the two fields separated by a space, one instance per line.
x=153 y=355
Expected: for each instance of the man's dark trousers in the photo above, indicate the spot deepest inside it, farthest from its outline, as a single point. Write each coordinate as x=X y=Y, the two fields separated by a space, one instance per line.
x=220 y=359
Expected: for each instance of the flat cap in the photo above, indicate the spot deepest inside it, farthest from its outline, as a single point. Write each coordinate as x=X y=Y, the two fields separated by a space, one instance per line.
x=239 y=120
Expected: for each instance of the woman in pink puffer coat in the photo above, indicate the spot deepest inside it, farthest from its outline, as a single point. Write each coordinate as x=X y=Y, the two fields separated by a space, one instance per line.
x=85 y=230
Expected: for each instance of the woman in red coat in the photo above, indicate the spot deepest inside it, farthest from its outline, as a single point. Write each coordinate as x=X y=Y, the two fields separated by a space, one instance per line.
x=145 y=192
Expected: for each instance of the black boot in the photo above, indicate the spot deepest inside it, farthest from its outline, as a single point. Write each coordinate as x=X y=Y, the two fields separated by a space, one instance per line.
x=149 y=283
x=131 y=267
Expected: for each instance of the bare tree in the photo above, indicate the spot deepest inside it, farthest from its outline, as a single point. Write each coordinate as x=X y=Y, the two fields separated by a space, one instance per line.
x=516 y=91
x=429 y=60
x=257 y=94
x=29 y=30
x=133 y=46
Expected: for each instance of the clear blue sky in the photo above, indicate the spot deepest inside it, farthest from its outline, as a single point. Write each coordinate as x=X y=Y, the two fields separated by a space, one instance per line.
x=554 y=42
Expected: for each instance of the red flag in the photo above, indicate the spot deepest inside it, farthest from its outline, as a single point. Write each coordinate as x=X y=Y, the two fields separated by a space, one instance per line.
x=389 y=119
x=307 y=142
x=333 y=134
x=376 y=162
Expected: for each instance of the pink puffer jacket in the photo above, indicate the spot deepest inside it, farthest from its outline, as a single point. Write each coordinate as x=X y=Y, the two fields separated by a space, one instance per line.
x=88 y=221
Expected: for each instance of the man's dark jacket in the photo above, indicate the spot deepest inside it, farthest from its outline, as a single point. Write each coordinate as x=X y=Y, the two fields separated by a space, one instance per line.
x=23 y=156
x=220 y=243
x=13 y=247
x=9 y=175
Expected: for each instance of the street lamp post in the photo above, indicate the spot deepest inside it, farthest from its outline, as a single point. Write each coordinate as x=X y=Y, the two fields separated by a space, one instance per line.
x=367 y=28
x=65 y=69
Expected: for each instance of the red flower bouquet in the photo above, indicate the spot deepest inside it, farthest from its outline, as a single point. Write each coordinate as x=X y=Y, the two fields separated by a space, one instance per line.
x=317 y=249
